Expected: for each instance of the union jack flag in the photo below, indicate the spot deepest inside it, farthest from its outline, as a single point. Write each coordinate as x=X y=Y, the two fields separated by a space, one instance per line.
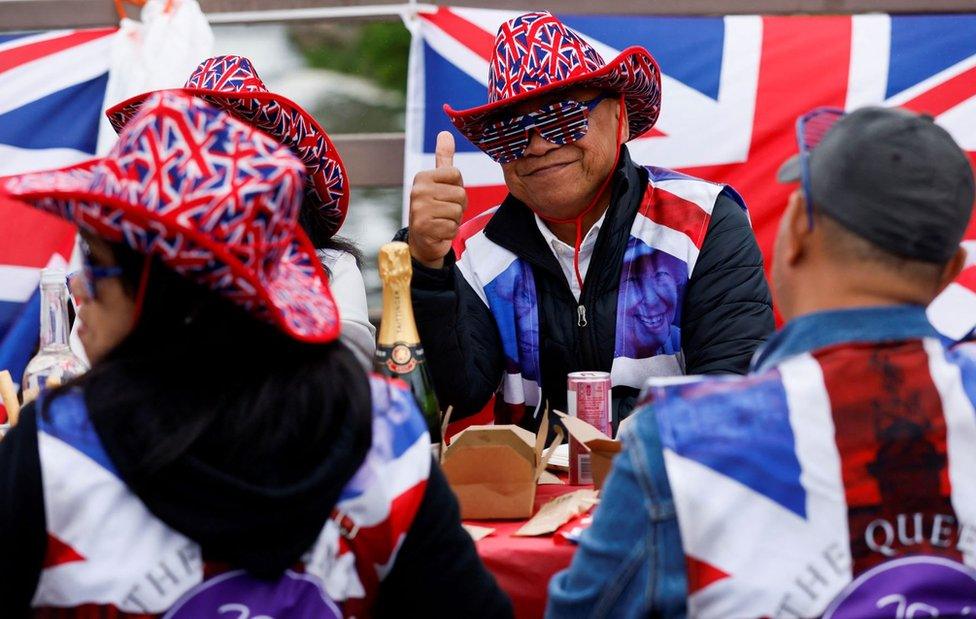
x=53 y=84
x=787 y=482
x=87 y=573
x=732 y=89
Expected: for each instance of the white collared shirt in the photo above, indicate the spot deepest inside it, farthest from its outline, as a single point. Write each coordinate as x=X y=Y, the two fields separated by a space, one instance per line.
x=564 y=252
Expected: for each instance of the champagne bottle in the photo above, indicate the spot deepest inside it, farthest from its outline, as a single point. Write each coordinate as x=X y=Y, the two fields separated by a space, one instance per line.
x=54 y=361
x=398 y=350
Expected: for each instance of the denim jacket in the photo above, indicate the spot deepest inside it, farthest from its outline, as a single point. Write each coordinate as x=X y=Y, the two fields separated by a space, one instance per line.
x=630 y=562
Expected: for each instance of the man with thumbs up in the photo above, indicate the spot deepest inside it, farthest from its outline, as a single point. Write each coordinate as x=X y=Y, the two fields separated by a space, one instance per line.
x=437 y=203
x=592 y=262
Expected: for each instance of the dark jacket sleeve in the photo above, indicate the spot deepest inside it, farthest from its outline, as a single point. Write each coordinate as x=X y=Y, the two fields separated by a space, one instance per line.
x=438 y=572
x=728 y=311
x=22 y=524
x=460 y=339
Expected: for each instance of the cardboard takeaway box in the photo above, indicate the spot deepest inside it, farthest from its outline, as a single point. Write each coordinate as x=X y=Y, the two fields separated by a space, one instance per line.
x=602 y=448
x=494 y=470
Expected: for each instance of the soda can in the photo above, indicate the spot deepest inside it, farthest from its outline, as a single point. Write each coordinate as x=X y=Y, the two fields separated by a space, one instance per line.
x=587 y=397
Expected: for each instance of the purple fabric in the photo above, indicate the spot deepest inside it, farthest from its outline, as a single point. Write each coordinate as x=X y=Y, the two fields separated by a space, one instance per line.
x=236 y=595
x=910 y=587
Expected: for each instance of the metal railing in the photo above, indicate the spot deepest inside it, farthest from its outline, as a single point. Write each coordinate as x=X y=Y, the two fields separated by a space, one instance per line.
x=50 y=14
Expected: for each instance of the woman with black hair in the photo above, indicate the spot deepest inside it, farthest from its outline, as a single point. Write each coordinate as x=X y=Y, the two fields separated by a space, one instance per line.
x=225 y=455
x=232 y=84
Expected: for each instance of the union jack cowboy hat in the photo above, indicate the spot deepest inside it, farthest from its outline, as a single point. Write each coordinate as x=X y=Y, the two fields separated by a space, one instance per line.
x=232 y=84
x=535 y=54
x=216 y=199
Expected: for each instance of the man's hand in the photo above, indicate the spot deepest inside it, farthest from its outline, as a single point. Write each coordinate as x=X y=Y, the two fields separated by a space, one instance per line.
x=437 y=202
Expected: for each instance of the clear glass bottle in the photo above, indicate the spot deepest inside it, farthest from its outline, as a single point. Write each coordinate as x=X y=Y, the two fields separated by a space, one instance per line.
x=54 y=360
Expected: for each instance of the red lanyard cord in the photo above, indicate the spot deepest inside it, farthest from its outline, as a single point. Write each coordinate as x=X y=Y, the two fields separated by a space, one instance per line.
x=578 y=220
x=143 y=284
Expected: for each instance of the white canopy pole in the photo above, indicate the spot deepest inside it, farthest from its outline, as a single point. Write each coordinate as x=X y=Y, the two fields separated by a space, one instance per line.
x=325 y=12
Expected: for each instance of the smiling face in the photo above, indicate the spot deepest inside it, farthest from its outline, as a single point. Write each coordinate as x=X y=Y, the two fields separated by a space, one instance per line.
x=558 y=182
x=527 y=325
x=649 y=303
x=653 y=298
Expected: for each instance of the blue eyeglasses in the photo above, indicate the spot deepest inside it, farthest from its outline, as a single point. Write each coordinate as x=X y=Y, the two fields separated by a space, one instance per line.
x=89 y=274
x=810 y=130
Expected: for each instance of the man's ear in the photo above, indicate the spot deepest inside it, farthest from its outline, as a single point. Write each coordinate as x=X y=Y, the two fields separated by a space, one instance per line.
x=795 y=228
x=952 y=268
x=622 y=117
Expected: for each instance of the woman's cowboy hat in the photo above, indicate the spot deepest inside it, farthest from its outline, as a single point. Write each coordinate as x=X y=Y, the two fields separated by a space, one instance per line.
x=232 y=84
x=213 y=197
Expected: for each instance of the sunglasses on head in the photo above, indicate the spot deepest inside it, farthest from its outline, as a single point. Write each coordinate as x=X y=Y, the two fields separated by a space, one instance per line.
x=562 y=122
x=810 y=130
x=89 y=274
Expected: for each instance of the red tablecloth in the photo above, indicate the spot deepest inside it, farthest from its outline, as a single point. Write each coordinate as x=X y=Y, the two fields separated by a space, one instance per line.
x=523 y=565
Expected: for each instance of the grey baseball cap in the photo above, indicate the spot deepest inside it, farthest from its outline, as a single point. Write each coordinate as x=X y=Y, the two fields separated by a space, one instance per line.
x=894 y=178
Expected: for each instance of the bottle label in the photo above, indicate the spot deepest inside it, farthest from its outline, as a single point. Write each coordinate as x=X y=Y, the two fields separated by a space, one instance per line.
x=401 y=358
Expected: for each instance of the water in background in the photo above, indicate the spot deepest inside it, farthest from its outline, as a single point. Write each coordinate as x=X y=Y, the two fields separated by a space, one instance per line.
x=342 y=104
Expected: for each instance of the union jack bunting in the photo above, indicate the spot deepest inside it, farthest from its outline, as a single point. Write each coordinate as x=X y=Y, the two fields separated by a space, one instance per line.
x=732 y=88
x=216 y=200
x=232 y=84
x=53 y=84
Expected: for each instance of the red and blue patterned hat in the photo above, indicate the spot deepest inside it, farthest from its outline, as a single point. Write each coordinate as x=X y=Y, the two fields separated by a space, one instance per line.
x=535 y=54
x=216 y=199
x=232 y=84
